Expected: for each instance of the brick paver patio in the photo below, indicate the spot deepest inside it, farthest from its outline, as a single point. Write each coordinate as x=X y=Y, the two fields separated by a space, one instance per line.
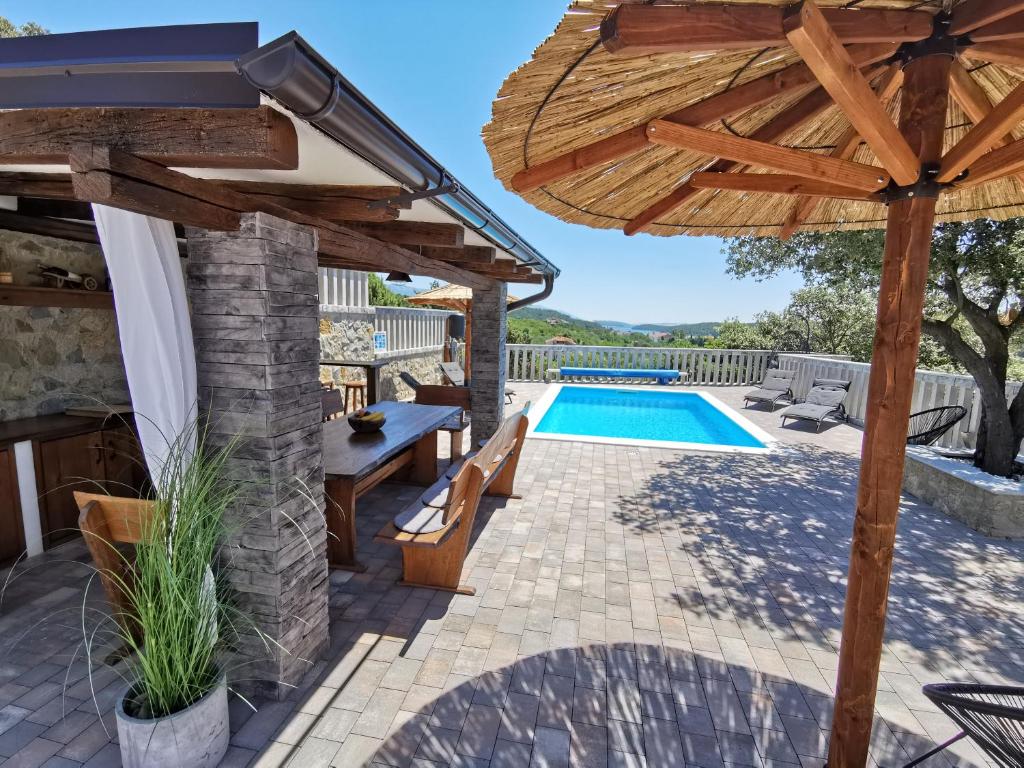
x=637 y=607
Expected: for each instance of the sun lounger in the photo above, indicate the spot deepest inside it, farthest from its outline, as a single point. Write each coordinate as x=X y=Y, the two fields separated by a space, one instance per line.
x=777 y=386
x=455 y=376
x=824 y=400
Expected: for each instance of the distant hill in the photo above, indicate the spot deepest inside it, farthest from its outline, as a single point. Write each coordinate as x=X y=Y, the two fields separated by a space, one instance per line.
x=682 y=329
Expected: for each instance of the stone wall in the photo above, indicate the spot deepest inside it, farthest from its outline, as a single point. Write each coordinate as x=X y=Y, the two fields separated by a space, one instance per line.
x=254 y=319
x=346 y=335
x=53 y=358
x=422 y=364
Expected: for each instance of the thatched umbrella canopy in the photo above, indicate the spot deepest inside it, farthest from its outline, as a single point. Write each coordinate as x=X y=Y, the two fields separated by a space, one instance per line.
x=758 y=118
x=455 y=297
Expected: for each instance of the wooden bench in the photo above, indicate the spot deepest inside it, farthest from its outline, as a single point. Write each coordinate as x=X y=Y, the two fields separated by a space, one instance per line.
x=434 y=531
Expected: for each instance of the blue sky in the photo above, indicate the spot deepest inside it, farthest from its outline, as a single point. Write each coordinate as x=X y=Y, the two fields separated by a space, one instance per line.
x=434 y=67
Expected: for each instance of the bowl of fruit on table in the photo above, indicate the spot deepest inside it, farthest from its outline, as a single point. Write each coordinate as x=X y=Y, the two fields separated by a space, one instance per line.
x=366 y=421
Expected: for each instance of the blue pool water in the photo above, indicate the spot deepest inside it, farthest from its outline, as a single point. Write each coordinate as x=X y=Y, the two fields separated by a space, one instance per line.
x=683 y=417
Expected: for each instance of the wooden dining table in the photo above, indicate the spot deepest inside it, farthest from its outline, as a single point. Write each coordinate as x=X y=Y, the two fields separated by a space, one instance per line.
x=356 y=463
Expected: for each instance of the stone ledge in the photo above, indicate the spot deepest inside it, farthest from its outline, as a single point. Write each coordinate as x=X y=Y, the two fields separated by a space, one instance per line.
x=993 y=506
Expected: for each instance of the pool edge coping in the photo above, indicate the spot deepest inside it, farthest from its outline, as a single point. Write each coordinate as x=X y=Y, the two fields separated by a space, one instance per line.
x=540 y=408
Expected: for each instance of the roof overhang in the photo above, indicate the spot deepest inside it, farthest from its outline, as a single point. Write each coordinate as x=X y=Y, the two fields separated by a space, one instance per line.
x=342 y=138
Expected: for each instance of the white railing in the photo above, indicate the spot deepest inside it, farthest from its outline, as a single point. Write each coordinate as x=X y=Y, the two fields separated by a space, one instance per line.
x=412 y=329
x=709 y=367
x=932 y=389
x=343 y=288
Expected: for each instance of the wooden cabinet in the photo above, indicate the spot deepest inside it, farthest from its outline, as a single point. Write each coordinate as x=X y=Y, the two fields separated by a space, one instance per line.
x=12 y=535
x=106 y=460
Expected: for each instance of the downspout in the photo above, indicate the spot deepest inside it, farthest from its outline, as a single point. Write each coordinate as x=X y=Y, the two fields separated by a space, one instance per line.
x=549 y=286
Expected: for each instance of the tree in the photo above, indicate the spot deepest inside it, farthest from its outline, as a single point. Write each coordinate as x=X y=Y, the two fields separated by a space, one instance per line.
x=516 y=334
x=28 y=29
x=734 y=334
x=381 y=295
x=975 y=287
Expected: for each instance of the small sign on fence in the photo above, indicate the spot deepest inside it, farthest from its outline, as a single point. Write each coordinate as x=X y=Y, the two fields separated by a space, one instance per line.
x=380 y=341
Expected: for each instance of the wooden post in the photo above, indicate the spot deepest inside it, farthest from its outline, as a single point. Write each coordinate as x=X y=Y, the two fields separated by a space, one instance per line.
x=890 y=388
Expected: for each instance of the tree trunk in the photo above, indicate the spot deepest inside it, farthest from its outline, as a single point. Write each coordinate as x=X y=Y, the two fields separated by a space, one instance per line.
x=997 y=444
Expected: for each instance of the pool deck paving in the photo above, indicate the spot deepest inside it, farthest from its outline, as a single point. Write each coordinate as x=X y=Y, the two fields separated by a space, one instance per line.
x=637 y=607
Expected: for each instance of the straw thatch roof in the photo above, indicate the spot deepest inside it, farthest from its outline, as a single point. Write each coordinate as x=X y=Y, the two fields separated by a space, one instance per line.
x=573 y=92
x=457 y=297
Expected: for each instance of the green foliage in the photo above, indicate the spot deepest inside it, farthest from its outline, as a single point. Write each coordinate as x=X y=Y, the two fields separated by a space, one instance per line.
x=174 y=596
x=28 y=29
x=381 y=295
x=733 y=334
x=975 y=287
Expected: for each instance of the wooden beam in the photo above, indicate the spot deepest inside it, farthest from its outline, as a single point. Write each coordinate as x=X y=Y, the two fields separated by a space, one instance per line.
x=976 y=105
x=317 y=191
x=971 y=14
x=76 y=231
x=765 y=155
x=737 y=99
x=121 y=192
x=908 y=241
x=58 y=209
x=468 y=254
x=334 y=239
x=990 y=130
x=189 y=138
x=412 y=233
x=641 y=30
x=817 y=43
x=1007 y=160
x=886 y=89
x=779 y=184
x=337 y=209
x=56 y=186
x=1010 y=28
x=805 y=109
x=1009 y=53
x=47 y=227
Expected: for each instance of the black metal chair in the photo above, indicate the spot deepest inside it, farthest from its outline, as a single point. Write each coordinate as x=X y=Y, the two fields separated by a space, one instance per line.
x=991 y=715
x=928 y=426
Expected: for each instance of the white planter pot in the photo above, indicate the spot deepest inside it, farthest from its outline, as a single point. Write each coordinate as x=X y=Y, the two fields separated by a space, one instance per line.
x=196 y=737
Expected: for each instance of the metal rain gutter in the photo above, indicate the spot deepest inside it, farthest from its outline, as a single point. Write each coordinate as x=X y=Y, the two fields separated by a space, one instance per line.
x=290 y=71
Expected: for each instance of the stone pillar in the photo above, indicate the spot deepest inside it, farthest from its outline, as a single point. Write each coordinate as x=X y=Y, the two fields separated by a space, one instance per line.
x=487 y=351
x=255 y=321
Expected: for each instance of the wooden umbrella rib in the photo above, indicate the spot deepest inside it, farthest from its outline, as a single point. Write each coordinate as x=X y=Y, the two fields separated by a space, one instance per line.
x=985 y=133
x=640 y=30
x=765 y=155
x=778 y=184
x=789 y=119
x=1007 y=160
x=810 y=34
x=845 y=149
x=1006 y=52
x=972 y=14
x=625 y=143
x=1010 y=28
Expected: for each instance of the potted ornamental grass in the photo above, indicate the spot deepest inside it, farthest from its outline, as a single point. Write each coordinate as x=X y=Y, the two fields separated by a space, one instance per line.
x=172 y=617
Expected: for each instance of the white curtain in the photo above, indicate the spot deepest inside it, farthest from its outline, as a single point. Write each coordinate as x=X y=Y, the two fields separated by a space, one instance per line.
x=153 y=323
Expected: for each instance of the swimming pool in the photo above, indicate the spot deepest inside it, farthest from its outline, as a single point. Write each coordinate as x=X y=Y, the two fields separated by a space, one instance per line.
x=642 y=416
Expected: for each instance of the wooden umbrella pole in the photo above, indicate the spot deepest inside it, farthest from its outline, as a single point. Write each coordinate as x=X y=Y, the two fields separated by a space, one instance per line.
x=890 y=388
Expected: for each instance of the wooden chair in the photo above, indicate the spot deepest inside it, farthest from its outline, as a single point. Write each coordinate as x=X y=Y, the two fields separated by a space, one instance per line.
x=331 y=403
x=106 y=521
x=456 y=377
x=435 y=394
x=356 y=391
x=434 y=531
